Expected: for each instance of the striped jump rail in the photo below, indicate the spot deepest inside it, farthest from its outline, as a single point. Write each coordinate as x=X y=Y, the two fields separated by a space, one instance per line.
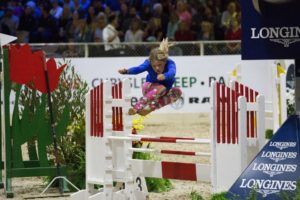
x=162 y=139
x=185 y=153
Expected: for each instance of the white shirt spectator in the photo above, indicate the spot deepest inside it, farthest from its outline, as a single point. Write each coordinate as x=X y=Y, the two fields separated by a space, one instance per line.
x=108 y=32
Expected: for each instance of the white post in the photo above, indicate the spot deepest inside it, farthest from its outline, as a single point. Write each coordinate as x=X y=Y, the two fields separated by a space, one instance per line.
x=107 y=131
x=283 y=107
x=275 y=102
x=213 y=160
x=242 y=130
x=260 y=121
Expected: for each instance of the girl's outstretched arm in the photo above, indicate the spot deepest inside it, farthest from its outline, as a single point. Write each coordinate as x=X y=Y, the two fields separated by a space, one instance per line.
x=139 y=69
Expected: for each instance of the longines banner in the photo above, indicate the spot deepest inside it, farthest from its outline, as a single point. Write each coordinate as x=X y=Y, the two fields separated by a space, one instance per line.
x=270 y=29
x=274 y=172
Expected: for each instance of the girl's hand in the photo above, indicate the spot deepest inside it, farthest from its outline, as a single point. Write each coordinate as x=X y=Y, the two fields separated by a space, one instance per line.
x=161 y=77
x=122 y=71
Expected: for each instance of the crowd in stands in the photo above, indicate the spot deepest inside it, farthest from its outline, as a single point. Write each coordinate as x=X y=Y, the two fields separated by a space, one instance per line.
x=117 y=21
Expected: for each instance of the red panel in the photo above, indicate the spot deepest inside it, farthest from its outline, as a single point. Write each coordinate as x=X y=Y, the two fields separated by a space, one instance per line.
x=101 y=111
x=237 y=94
x=117 y=118
x=233 y=115
x=167 y=140
x=255 y=117
x=92 y=111
x=228 y=123
x=186 y=153
x=218 y=120
x=112 y=91
x=252 y=115
x=177 y=138
x=121 y=119
x=113 y=109
x=120 y=89
x=121 y=127
x=241 y=90
x=97 y=106
x=247 y=100
x=236 y=87
x=179 y=171
x=223 y=101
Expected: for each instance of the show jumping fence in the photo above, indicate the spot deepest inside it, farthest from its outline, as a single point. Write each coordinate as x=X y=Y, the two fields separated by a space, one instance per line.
x=237 y=133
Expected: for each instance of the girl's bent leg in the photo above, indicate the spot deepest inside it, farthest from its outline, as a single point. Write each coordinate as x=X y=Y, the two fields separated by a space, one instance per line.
x=151 y=93
x=172 y=96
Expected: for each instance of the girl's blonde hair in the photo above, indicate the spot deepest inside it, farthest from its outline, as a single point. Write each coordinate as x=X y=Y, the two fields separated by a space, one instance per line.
x=161 y=53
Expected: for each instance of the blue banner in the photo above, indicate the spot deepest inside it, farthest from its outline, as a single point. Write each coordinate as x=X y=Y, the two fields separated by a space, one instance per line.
x=270 y=29
x=274 y=172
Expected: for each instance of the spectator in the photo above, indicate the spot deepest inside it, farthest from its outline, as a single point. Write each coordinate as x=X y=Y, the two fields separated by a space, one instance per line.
x=91 y=15
x=206 y=31
x=107 y=11
x=73 y=27
x=64 y=22
x=233 y=33
x=182 y=11
x=172 y=26
x=9 y=23
x=123 y=15
x=36 y=10
x=160 y=16
x=85 y=4
x=47 y=27
x=125 y=22
x=70 y=4
x=17 y=8
x=110 y=34
x=208 y=15
x=145 y=14
x=153 y=31
x=84 y=32
x=101 y=23
x=78 y=7
x=98 y=6
x=228 y=14
x=197 y=17
x=66 y=17
x=56 y=10
x=27 y=25
x=184 y=33
x=134 y=34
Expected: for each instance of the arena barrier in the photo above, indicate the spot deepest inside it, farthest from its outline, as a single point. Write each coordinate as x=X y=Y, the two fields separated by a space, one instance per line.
x=276 y=110
x=109 y=143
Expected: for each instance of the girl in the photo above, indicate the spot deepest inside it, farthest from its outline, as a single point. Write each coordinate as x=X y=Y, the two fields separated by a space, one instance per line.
x=158 y=89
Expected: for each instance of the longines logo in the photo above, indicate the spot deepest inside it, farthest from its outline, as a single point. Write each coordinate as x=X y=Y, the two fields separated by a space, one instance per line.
x=282 y=145
x=282 y=35
x=266 y=186
x=274 y=169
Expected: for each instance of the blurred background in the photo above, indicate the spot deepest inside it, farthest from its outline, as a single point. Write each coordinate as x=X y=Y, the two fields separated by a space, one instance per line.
x=74 y=28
